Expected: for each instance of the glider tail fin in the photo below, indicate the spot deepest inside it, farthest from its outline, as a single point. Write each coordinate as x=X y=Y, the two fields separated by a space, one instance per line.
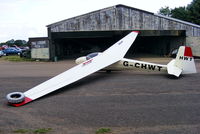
x=183 y=64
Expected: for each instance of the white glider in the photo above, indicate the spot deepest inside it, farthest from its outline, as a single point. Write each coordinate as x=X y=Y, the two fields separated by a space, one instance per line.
x=112 y=55
x=111 y=59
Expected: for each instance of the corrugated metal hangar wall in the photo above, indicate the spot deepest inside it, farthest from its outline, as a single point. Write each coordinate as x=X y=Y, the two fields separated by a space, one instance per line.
x=97 y=30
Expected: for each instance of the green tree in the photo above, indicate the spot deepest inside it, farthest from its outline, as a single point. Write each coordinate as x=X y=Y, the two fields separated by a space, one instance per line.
x=190 y=13
x=10 y=42
x=20 y=42
x=181 y=13
x=3 y=43
x=194 y=11
x=166 y=11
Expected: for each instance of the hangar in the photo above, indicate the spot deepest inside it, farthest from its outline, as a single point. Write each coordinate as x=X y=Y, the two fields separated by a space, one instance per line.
x=97 y=30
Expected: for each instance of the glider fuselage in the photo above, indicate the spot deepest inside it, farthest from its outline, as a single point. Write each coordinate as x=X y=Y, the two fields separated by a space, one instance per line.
x=125 y=64
x=129 y=64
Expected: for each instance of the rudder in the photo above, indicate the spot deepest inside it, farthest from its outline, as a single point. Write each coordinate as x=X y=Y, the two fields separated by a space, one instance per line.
x=183 y=64
x=185 y=61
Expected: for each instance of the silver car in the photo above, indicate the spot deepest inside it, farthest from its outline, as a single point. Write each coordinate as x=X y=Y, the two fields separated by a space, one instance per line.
x=1 y=53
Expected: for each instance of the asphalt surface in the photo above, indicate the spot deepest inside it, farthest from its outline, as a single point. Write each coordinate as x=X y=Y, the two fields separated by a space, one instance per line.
x=128 y=102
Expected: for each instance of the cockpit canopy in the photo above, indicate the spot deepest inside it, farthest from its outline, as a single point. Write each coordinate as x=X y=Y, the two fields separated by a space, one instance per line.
x=91 y=55
x=85 y=58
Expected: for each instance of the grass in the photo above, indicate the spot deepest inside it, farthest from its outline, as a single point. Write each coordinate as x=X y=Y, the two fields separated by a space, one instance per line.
x=15 y=58
x=42 y=130
x=103 y=131
x=35 y=131
x=22 y=131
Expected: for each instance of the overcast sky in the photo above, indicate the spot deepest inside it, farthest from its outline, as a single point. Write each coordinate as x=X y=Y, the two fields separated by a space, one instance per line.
x=20 y=19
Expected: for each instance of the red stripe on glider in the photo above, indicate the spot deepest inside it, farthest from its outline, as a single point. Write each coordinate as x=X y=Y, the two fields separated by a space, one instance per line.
x=26 y=100
x=136 y=31
x=188 y=52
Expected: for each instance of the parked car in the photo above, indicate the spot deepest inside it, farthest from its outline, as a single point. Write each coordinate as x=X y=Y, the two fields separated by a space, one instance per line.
x=173 y=53
x=11 y=50
x=1 y=53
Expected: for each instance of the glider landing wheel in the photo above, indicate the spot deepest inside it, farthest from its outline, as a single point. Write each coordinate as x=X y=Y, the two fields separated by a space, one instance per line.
x=15 y=97
x=108 y=71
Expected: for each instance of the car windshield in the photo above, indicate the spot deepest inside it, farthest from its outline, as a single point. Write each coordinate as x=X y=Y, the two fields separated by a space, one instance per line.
x=89 y=56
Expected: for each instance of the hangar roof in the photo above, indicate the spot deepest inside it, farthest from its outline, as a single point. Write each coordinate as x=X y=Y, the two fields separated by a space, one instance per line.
x=122 y=17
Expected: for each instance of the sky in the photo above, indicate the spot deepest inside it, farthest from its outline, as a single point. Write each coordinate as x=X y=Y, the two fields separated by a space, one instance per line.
x=21 y=19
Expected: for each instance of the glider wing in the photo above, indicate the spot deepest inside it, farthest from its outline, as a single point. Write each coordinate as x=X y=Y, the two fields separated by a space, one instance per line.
x=113 y=54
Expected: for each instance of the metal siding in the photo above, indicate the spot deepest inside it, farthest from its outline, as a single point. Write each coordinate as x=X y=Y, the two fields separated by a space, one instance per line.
x=123 y=18
x=134 y=15
x=156 y=23
x=107 y=20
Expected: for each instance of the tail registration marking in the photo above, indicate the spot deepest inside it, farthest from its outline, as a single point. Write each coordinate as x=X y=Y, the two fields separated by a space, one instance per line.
x=185 y=58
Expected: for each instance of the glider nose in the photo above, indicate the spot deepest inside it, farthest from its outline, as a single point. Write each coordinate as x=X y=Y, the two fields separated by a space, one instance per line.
x=80 y=60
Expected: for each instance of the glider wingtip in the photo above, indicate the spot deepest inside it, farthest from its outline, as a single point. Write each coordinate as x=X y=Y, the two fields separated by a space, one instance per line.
x=136 y=31
x=26 y=100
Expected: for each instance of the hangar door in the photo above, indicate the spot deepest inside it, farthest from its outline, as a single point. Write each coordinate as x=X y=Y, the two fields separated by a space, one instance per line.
x=74 y=44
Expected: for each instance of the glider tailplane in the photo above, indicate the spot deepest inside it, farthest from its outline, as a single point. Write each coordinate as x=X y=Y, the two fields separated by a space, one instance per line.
x=183 y=64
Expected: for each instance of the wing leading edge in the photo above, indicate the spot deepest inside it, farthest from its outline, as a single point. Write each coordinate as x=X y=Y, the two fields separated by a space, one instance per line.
x=113 y=54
